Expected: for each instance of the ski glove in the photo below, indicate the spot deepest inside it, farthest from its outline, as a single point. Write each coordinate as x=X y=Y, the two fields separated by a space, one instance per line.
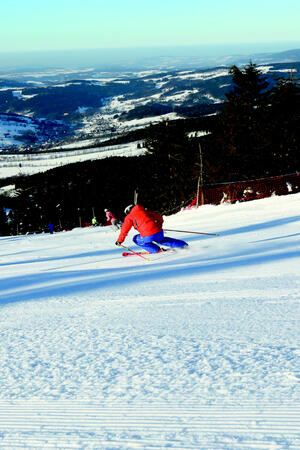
x=118 y=243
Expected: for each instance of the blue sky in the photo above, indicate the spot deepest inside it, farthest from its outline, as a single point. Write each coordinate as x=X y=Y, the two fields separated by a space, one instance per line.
x=35 y=25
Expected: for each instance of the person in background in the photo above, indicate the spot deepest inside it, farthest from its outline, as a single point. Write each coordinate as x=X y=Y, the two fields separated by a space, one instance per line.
x=149 y=225
x=94 y=222
x=110 y=217
x=51 y=227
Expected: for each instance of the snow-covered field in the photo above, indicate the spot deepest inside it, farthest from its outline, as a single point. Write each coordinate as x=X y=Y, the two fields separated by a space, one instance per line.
x=24 y=164
x=193 y=349
x=11 y=131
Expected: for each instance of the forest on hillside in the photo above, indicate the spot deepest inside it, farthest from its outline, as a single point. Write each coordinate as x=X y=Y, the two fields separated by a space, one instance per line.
x=256 y=134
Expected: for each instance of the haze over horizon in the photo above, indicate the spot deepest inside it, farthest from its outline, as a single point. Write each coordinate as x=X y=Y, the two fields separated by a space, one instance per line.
x=62 y=30
x=140 y=57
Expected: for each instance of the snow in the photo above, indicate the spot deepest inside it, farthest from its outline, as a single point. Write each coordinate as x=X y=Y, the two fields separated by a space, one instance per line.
x=193 y=349
x=179 y=96
x=11 y=130
x=197 y=133
x=265 y=69
x=17 y=94
x=207 y=75
x=29 y=164
x=79 y=144
x=212 y=98
x=7 y=189
x=152 y=119
x=290 y=70
x=109 y=118
x=122 y=81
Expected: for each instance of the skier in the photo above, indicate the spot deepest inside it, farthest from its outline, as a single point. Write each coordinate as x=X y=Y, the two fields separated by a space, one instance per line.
x=51 y=227
x=110 y=217
x=94 y=222
x=149 y=224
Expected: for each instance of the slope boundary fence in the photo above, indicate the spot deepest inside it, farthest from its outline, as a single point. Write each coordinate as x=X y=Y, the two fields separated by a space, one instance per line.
x=247 y=190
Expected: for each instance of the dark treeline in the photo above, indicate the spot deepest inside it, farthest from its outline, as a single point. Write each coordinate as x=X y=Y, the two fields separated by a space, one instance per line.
x=256 y=134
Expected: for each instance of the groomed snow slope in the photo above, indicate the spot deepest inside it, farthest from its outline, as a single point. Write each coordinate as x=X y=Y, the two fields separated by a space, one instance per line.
x=193 y=349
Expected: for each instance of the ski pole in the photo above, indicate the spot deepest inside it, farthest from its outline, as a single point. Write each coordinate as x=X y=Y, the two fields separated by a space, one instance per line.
x=194 y=232
x=129 y=249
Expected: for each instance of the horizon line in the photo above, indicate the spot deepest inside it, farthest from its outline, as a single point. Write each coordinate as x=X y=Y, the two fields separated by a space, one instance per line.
x=155 y=47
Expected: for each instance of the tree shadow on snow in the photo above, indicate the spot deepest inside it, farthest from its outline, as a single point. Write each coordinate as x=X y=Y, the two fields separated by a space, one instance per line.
x=61 y=284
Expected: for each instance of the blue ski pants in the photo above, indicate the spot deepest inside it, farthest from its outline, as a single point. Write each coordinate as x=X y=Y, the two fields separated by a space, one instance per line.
x=148 y=242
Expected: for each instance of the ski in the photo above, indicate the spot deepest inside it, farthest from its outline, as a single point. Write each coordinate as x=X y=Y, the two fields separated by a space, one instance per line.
x=136 y=253
x=145 y=253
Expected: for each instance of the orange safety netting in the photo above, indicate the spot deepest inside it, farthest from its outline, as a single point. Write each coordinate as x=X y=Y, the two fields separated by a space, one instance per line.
x=247 y=190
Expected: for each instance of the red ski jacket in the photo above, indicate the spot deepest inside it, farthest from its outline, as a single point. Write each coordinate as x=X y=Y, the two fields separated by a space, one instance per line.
x=144 y=221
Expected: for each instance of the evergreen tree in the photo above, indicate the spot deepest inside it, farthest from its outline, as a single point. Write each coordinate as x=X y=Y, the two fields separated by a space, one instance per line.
x=238 y=133
x=283 y=127
x=3 y=222
x=173 y=166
